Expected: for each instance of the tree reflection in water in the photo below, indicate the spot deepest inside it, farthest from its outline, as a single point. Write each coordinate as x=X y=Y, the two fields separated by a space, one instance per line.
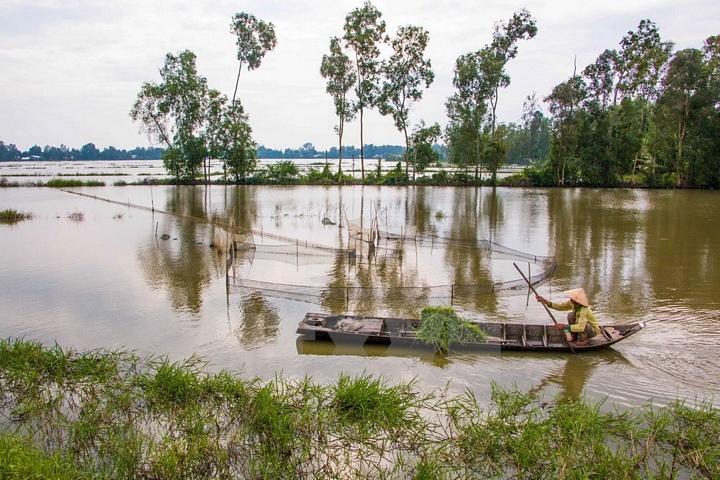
x=259 y=321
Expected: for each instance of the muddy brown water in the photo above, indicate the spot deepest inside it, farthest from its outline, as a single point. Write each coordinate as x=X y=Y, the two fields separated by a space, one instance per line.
x=109 y=280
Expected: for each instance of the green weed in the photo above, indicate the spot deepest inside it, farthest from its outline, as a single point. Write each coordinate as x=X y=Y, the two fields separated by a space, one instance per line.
x=441 y=327
x=110 y=414
x=13 y=216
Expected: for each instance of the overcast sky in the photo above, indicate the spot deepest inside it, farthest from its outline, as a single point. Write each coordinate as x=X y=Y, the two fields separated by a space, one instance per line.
x=70 y=70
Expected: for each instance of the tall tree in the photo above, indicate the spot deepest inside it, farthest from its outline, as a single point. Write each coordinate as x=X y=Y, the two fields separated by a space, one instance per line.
x=680 y=104
x=254 y=38
x=644 y=56
x=237 y=148
x=563 y=104
x=537 y=129
x=466 y=109
x=364 y=32
x=496 y=150
x=405 y=75
x=174 y=111
x=502 y=49
x=152 y=112
x=421 y=145
x=478 y=78
x=214 y=114
x=601 y=79
x=337 y=68
x=599 y=164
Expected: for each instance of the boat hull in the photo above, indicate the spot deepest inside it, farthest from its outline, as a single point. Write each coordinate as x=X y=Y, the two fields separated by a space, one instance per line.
x=359 y=330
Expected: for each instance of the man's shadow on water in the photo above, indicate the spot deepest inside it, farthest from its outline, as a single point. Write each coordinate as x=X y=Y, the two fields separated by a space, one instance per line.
x=572 y=375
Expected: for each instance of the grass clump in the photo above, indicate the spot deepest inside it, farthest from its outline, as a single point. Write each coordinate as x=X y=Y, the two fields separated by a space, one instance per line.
x=13 y=216
x=110 y=414
x=442 y=327
x=65 y=182
x=5 y=183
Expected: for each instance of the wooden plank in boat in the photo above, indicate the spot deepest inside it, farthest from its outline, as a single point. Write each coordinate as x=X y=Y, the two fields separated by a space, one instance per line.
x=371 y=325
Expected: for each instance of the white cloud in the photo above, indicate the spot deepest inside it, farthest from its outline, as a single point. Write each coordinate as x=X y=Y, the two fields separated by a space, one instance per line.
x=72 y=69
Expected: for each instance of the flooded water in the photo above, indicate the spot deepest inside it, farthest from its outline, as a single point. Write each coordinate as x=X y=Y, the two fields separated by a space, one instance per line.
x=134 y=268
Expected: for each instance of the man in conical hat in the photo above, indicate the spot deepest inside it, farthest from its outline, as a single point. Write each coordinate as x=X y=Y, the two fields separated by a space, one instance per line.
x=581 y=322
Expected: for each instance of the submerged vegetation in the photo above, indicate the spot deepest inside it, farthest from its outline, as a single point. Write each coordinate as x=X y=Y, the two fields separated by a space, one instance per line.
x=12 y=216
x=66 y=182
x=100 y=414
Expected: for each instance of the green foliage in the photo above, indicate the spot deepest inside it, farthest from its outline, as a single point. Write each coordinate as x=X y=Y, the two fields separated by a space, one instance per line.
x=479 y=76
x=404 y=76
x=12 y=216
x=235 y=144
x=254 y=38
x=324 y=177
x=173 y=113
x=536 y=175
x=442 y=327
x=282 y=172
x=195 y=122
x=420 y=151
x=63 y=183
x=441 y=178
x=20 y=457
x=173 y=161
x=109 y=414
x=640 y=116
x=369 y=403
x=364 y=33
x=396 y=176
x=338 y=70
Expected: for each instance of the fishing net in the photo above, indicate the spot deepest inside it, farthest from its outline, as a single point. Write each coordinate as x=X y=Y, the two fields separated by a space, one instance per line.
x=347 y=284
x=374 y=269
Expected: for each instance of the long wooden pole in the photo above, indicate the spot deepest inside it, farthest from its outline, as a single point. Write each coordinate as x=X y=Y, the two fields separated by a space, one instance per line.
x=546 y=307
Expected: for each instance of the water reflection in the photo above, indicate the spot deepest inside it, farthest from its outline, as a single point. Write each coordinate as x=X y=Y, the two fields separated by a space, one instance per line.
x=447 y=263
x=425 y=354
x=177 y=264
x=259 y=321
x=567 y=381
x=640 y=255
x=176 y=256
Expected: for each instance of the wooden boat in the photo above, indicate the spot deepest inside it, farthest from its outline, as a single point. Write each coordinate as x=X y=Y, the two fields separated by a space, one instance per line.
x=356 y=329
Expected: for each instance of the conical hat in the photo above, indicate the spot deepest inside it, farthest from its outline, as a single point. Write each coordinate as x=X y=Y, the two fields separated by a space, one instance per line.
x=578 y=294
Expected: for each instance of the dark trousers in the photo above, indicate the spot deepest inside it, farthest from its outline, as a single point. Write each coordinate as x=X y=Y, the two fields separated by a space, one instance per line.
x=589 y=331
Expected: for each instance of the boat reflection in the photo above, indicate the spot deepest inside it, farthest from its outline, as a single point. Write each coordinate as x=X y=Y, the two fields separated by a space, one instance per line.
x=424 y=353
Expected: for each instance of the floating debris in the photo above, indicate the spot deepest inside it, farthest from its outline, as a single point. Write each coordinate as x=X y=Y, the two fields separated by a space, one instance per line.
x=76 y=216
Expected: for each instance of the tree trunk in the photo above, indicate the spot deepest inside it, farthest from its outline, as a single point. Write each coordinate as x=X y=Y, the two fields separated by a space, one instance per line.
x=407 y=153
x=237 y=81
x=477 y=158
x=362 y=146
x=340 y=135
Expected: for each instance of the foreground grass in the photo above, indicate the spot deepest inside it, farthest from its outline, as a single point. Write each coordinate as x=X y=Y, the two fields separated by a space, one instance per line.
x=111 y=414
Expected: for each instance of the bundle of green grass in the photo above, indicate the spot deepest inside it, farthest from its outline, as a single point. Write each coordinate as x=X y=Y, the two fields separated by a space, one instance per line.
x=442 y=326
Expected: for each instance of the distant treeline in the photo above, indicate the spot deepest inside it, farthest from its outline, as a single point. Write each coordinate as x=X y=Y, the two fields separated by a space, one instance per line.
x=9 y=152
x=309 y=151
